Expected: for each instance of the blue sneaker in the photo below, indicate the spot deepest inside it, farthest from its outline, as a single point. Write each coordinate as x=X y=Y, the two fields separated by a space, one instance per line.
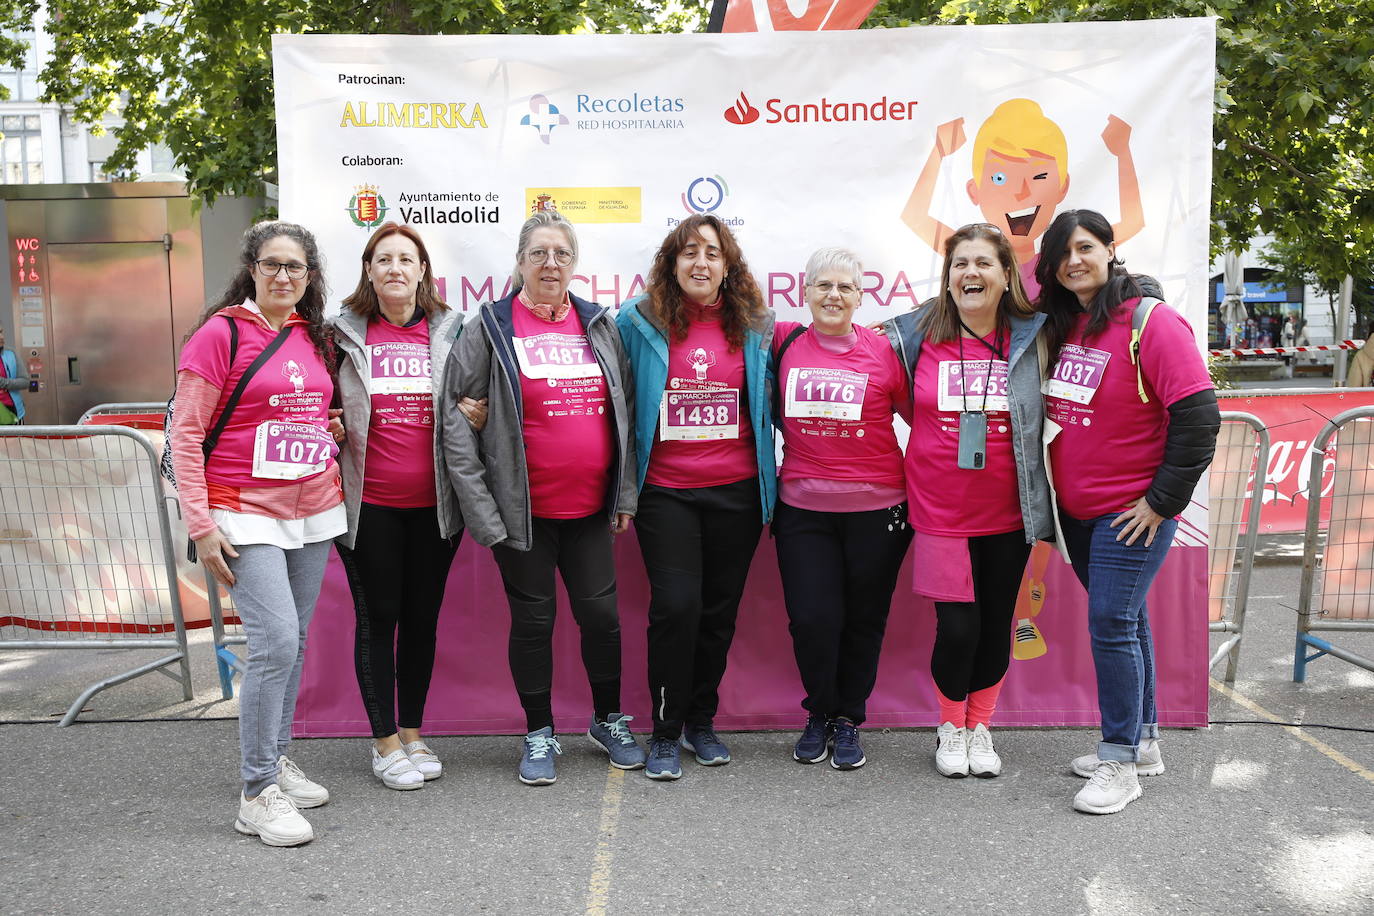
x=536 y=764
x=614 y=737
x=702 y=741
x=848 y=752
x=663 y=761
x=814 y=744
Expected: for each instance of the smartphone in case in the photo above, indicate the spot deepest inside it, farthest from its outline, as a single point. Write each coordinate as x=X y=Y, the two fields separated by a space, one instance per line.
x=973 y=440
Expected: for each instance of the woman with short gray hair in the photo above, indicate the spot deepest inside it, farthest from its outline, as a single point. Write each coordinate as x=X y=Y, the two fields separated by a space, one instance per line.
x=550 y=479
x=841 y=519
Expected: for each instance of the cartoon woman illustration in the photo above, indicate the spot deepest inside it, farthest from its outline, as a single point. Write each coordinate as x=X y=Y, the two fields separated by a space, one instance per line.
x=700 y=361
x=294 y=372
x=1020 y=175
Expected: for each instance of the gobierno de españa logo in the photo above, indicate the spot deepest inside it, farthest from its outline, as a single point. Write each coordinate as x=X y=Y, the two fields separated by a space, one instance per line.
x=367 y=207
x=742 y=112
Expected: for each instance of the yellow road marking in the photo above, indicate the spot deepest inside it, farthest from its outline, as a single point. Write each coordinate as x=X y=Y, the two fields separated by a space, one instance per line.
x=599 y=887
x=1324 y=748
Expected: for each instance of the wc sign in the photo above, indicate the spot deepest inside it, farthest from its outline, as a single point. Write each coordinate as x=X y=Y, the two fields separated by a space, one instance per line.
x=26 y=259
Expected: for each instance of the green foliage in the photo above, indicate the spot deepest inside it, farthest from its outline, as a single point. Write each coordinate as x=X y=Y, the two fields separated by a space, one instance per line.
x=197 y=74
x=1294 y=157
x=15 y=16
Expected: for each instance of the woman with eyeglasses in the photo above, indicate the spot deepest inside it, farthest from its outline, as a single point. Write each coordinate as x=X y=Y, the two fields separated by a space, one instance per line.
x=394 y=335
x=698 y=340
x=975 y=478
x=550 y=478
x=259 y=491
x=1134 y=420
x=841 y=519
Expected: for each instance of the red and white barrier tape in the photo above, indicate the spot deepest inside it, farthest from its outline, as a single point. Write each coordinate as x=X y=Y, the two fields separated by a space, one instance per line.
x=1279 y=351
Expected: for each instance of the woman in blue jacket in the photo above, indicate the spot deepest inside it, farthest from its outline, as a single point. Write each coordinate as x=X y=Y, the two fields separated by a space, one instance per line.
x=698 y=340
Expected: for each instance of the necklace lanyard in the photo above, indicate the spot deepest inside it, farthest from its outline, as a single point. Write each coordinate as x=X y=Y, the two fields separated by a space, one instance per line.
x=995 y=347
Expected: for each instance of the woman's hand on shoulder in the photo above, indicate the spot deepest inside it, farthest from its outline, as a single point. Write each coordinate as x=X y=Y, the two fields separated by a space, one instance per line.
x=211 y=549
x=1137 y=519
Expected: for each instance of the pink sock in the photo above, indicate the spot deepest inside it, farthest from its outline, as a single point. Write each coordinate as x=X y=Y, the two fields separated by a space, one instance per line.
x=981 y=704
x=951 y=711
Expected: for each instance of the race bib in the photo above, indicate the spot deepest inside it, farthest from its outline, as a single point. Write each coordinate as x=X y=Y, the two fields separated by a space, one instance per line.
x=290 y=451
x=550 y=356
x=962 y=385
x=1077 y=373
x=698 y=415
x=399 y=368
x=834 y=393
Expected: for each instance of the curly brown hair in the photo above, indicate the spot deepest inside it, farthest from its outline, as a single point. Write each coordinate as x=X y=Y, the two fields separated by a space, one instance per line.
x=741 y=302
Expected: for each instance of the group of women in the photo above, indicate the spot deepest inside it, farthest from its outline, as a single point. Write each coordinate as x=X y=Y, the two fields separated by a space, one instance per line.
x=546 y=423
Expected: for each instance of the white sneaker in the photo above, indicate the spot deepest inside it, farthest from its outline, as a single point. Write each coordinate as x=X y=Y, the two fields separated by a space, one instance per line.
x=273 y=819
x=983 y=761
x=1112 y=787
x=396 y=771
x=425 y=760
x=1151 y=762
x=951 y=751
x=295 y=785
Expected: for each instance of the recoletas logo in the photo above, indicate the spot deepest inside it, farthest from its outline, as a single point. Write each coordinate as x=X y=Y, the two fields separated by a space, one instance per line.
x=742 y=112
x=544 y=116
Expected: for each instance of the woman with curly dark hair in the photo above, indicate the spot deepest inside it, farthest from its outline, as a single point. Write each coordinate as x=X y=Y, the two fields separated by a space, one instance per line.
x=698 y=340
x=259 y=491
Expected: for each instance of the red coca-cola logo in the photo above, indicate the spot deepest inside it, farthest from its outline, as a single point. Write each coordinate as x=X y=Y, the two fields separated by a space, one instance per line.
x=742 y=112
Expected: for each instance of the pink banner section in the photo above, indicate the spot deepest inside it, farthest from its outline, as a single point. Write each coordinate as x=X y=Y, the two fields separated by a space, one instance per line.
x=1294 y=417
x=1051 y=682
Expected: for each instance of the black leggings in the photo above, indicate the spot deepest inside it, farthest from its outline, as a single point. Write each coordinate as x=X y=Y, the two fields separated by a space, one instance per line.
x=580 y=549
x=973 y=640
x=396 y=572
x=839 y=570
x=697 y=547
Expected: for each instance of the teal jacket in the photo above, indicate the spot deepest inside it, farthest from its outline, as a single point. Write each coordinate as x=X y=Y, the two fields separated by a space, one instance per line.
x=646 y=342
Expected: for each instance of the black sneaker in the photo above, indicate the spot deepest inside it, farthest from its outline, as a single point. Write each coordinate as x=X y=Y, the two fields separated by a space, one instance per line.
x=848 y=752
x=814 y=744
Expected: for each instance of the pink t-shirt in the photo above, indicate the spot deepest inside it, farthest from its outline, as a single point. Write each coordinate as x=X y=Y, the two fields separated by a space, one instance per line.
x=398 y=470
x=568 y=436
x=836 y=404
x=278 y=434
x=946 y=499
x=1113 y=444
x=704 y=438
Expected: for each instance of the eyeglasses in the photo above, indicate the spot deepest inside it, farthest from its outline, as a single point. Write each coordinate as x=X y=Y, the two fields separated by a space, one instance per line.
x=825 y=288
x=561 y=256
x=270 y=268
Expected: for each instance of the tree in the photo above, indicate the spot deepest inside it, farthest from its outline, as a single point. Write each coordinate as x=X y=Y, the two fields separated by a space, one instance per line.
x=197 y=74
x=1294 y=156
x=1298 y=262
x=15 y=17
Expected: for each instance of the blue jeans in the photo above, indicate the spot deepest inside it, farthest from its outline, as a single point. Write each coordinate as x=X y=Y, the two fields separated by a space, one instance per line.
x=1117 y=577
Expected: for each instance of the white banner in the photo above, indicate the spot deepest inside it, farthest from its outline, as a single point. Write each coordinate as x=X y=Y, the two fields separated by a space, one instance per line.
x=868 y=139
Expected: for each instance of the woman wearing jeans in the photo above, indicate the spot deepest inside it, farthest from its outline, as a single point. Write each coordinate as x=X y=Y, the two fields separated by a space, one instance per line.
x=1133 y=428
x=699 y=341
x=259 y=490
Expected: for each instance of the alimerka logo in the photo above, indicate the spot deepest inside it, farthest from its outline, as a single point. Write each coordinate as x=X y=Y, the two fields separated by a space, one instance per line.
x=742 y=112
x=366 y=207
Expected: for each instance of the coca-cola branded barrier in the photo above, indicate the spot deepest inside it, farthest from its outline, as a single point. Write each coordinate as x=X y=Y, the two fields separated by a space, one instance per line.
x=1294 y=418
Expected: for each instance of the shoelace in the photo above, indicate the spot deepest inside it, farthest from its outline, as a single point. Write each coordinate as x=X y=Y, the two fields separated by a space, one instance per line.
x=619 y=730
x=704 y=737
x=277 y=803
x=662 y=747
x=846 y=734
x=290 y=770
x=980 y=742
x=540 y=745
x=1106 y=771
x=816 y=727
x=1025 y=632
x=956 y=741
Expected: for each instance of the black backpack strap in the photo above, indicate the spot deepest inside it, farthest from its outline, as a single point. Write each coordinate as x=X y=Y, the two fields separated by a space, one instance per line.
x=236 y=395
x=777 y=368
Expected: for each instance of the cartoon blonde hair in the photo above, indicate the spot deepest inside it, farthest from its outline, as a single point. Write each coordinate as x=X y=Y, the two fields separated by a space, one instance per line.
x=1017 y=128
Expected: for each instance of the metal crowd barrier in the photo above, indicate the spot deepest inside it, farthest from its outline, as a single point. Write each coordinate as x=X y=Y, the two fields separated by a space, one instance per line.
x=1235 y=490
x=1337 y=590
x=86 y=556
x=227 y=662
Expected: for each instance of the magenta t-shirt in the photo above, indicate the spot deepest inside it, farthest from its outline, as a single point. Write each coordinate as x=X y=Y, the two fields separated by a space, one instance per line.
x=1113 y=444
x=704 y=438
x=278 y=433
x=568 y=432
x=944 y=498
x=398 y=469
x=837 y=408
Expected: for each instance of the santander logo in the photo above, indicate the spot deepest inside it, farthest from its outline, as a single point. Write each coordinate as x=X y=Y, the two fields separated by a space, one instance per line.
x=742 y=112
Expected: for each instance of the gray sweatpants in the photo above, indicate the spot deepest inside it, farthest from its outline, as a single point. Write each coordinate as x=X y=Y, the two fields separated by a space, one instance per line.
x=275 y=593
